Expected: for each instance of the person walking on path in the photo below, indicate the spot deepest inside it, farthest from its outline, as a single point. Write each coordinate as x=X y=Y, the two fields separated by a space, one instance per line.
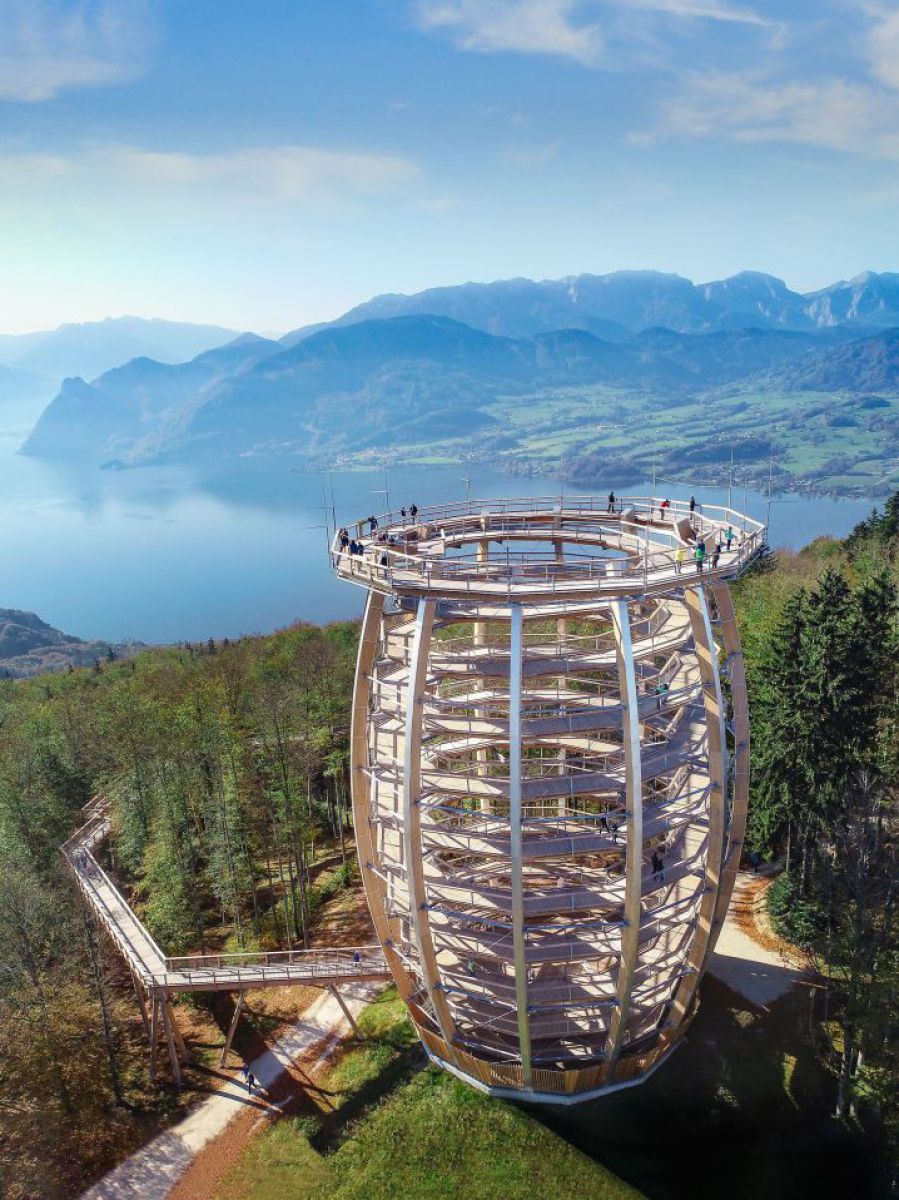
x=357 y=957
x=680 y=557
x=716 y=554
x=372 y=523
x=661 y=692
x=413 y=511
x=611 y=505
x=729 y=536
x=692 y=505
x=251 y=1082
x=699 y=556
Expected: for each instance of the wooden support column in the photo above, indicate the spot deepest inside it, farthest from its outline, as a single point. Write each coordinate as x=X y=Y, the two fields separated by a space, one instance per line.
x=707 y=657
x=480 y=639
x=375 y=889
x=170 y=1039
x=232 y=1028
x=332 y=988
x=154 y=1036
x=141 y=1002
x=179 y=1040
x=740 y=781
x=633 y=769
x=412 y=848
x=562 y=639
x=519 y=947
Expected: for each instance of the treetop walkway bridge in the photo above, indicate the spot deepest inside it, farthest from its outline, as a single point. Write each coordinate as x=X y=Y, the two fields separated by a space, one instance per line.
x=156 y=976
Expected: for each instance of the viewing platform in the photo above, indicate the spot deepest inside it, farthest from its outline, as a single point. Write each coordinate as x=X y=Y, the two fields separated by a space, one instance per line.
x=556 y=549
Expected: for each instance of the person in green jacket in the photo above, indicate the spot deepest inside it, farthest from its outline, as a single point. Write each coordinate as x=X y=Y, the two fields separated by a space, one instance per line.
x=699 y=555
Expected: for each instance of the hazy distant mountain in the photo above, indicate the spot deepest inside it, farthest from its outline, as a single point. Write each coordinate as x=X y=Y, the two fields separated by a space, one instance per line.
x=867 y=366
x=132 y=402
x=868 y=299
x=29 y=646
x=616 y=306
x=378 y=383
x=93 y=347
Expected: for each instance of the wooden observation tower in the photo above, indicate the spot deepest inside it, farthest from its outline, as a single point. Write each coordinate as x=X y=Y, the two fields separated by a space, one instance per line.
x=550 y=769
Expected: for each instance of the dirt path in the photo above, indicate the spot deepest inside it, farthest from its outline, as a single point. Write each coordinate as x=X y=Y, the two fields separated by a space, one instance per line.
x=749 y=960
x=155 y=1170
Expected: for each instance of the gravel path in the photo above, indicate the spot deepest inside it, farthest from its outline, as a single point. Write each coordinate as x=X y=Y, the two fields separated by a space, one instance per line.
x=759 y=972
x=152 y=1172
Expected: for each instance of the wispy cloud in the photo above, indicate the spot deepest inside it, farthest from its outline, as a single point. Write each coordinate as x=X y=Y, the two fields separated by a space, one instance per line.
x=263 y=178
x=524 y=26
x=834 y=114
x=291 y=173
x=570 y=28
x=882 y=45
x=697 y=9
x=47 y=46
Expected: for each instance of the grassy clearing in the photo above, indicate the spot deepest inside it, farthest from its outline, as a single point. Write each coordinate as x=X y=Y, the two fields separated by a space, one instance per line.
x=743 y=1110
x=384 y=1128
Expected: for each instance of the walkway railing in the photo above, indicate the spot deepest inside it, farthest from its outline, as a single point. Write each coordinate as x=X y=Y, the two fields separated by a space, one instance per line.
x=653 y=546
x=226 y=971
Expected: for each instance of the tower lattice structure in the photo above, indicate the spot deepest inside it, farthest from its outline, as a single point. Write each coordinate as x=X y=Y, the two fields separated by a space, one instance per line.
x=550 y=771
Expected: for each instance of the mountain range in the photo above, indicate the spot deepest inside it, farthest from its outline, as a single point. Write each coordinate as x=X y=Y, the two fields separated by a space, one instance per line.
x=33 y=365
x=587 y=354
x=412 y=380
x=92 y=347
x=617 y=305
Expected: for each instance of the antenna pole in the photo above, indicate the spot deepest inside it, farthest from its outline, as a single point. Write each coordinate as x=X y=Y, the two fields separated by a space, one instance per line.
x=768 y=510
x=730 y=481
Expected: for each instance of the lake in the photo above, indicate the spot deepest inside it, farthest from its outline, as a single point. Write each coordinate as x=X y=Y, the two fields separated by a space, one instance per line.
x=164 y=554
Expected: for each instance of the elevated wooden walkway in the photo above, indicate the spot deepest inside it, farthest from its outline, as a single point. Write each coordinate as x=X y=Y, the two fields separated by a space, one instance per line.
x=156 y=975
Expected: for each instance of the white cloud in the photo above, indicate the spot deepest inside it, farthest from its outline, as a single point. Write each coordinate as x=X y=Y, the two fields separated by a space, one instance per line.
x=833 y=114
x=882 y=45
x=280 y=173
x=260 y=178
x=709 y=11
x=47 y=46
x=525 y=26
x=560 y=27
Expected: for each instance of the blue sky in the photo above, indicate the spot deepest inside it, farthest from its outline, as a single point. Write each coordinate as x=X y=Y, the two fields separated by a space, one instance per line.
x=266 y=165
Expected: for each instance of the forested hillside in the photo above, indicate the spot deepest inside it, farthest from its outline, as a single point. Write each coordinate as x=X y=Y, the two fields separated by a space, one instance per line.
x=227 y=768
x=226 y=762
x=820 y=637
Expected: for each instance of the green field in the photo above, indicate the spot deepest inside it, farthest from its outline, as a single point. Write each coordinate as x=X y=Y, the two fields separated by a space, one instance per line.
x=826 y=442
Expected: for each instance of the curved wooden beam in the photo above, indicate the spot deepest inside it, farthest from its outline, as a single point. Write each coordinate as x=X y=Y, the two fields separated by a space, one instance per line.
x=630 y=722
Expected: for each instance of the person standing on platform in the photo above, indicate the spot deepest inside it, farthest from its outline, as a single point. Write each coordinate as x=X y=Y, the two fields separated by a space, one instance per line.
x=611 y=505
x=699 y=555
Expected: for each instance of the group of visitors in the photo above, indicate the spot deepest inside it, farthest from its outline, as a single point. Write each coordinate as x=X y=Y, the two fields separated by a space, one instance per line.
x=701 y=551
x=350 y=545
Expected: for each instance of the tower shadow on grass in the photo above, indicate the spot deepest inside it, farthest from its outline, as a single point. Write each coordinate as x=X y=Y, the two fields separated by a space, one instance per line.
x=742 y=1111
